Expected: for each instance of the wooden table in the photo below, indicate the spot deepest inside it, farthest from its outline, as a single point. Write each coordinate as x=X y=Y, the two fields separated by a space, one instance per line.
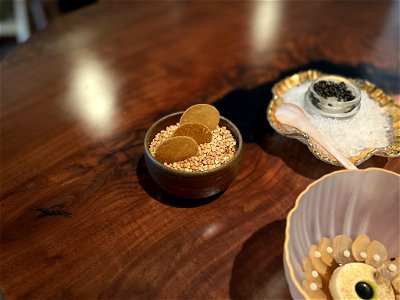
x=77 y=100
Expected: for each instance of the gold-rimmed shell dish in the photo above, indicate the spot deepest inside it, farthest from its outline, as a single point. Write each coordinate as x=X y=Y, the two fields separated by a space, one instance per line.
x=385 y=101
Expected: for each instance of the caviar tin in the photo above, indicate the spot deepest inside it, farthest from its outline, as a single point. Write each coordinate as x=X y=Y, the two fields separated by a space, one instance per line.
x=333 y=106
x=376 y=94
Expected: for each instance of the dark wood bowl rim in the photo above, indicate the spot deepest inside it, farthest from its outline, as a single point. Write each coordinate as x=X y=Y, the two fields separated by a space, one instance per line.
x=195 y=173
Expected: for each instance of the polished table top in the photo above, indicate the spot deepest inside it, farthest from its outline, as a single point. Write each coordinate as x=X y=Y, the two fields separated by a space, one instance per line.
x=76 y=102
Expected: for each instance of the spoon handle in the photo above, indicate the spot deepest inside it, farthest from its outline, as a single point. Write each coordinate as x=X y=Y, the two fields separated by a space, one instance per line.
x=316 y=135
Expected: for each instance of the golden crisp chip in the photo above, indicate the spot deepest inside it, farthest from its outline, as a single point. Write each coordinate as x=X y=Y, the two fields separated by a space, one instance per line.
x=317 y=262
x=342 y=249
x=326 y=249
x=199 y=132
x=176 y=149
x=204 y=114
x=389 y=269
x=309 y=271
x=359 y=246
x=376 y=254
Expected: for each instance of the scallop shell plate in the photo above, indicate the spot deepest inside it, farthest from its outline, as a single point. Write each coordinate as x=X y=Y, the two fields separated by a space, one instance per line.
x=392 y=150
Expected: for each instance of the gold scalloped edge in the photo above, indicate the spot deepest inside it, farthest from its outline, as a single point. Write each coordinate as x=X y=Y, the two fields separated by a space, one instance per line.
x=375 y=93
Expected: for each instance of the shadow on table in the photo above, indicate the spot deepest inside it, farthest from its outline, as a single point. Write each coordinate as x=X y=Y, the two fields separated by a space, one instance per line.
x=299 y=158
x=158 y=194
x=247 y=109
x=258 y=268
x=295 y=155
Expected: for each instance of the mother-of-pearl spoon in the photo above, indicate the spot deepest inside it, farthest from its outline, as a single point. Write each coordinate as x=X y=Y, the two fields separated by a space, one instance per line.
x=293 y=115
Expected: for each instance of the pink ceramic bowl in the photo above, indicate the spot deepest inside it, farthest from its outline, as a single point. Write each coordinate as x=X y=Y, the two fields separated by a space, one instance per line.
x=343 y=202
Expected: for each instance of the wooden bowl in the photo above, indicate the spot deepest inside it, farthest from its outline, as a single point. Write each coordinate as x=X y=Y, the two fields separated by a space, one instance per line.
x=196 y=184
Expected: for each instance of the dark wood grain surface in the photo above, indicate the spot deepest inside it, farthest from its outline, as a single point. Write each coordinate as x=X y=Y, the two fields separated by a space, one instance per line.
x=76 y=101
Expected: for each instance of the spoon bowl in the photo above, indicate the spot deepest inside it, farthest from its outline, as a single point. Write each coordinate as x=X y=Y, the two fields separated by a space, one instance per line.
x=293 y=115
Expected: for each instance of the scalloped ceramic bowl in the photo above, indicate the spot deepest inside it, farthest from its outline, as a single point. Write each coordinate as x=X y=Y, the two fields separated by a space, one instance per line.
x=343 y=202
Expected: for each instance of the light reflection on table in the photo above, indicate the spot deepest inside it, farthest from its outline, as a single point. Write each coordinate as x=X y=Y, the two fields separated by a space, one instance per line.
x=264 y=24
x=92 y=96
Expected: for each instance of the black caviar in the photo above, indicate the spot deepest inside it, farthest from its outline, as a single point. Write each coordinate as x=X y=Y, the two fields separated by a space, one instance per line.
x=333 y=89
x=364 y=290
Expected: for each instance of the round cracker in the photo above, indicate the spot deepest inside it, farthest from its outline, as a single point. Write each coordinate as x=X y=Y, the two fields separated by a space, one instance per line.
x=199 y=132
x=176 y=149
x=204 y=114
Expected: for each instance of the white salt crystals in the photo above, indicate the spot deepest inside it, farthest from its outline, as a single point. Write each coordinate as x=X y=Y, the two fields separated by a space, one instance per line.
x=369 y=128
